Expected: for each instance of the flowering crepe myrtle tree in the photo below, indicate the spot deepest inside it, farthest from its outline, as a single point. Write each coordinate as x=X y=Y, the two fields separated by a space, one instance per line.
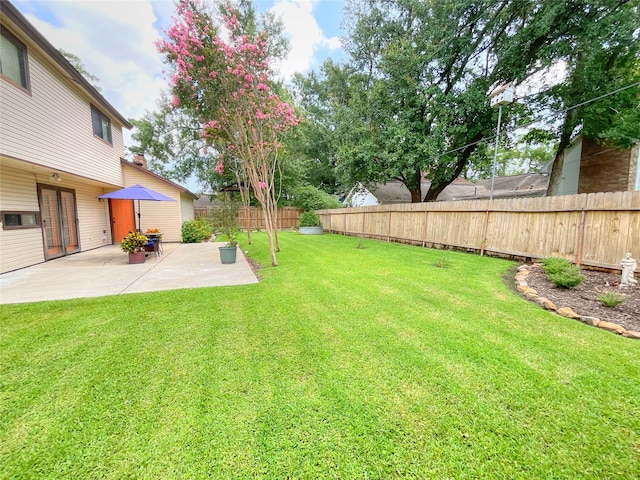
x=222 y=77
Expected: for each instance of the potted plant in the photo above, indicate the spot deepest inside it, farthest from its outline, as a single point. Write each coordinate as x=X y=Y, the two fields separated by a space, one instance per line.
x=310 y=224
x=134 y=244
x=224 y=219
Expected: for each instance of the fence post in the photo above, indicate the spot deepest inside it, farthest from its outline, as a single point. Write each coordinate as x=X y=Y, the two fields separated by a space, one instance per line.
x=483 y=245
x=424 y=230
x=583 y=215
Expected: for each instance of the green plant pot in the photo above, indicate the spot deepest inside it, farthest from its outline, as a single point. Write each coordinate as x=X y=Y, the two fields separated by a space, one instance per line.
x=137 y=257
x=228 y=253
x=311 y=230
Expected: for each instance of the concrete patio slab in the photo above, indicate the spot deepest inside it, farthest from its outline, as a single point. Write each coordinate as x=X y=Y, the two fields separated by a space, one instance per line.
x=106 y=271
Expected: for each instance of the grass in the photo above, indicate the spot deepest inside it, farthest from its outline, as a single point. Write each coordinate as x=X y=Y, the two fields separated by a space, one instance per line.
x=342 y=362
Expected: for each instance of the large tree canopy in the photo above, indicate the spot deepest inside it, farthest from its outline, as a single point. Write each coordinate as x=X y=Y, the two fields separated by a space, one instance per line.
x=418 y=102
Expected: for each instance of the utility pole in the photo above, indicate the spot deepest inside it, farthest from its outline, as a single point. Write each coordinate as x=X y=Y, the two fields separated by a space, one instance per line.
x=502 y=95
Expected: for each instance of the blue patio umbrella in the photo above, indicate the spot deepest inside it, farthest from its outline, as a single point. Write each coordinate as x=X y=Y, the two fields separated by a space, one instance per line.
x=137 y=192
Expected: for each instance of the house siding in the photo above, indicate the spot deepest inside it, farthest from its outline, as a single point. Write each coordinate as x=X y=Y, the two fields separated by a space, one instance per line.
x=634 y=168
x=93 y=217
x=604 y=169
x=166 y=216
x=186 y=208
x=19 y=247
x=52 y=126
x=23 y=247
x=571 y=170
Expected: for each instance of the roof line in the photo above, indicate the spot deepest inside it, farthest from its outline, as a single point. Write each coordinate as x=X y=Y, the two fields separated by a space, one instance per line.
x=14 y=15
x=126 y=162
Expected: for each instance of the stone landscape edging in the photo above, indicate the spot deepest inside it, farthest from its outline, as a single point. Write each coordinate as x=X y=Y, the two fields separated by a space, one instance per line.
x=532 y=295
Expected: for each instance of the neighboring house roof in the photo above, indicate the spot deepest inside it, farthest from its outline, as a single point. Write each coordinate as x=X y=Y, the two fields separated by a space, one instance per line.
x=142 y=169
x=204 y=201
x=12 y=13
x=462 y=189
x=526 y=185
x=394 y=191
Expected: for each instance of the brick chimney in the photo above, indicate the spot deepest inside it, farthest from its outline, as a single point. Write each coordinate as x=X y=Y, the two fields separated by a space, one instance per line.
x=140 y=161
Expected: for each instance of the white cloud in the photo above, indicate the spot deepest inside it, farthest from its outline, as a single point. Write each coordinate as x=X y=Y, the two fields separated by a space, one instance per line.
x=305 y=35
x=115 y=41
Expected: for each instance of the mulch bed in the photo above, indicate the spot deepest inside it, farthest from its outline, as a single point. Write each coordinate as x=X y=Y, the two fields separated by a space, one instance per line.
x=583 y=299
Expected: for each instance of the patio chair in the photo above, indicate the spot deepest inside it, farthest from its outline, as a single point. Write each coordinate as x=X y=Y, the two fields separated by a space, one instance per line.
x=153 y=245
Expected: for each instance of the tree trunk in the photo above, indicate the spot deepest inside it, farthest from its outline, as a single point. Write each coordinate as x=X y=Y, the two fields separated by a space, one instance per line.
x=274 y=216
x=436 y=188
x=269 y=229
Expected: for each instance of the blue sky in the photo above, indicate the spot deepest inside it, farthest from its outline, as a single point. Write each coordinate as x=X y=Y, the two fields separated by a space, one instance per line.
x=115 y=40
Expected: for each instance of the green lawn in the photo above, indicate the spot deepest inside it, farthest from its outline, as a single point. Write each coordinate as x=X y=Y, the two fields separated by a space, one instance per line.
x=343 y=362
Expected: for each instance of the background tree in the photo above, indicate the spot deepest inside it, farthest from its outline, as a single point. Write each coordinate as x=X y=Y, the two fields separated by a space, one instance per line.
x=419 y=105
x=604 y=58
x=80 y=67
x=319 y=95
x=171 y=140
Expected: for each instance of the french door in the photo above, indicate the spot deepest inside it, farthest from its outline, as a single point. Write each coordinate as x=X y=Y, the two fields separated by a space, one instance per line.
x=59 y=221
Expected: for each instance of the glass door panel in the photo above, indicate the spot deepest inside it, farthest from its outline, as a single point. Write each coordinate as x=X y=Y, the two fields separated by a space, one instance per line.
x=69 y=223
x=59 y=221
x=51 y=223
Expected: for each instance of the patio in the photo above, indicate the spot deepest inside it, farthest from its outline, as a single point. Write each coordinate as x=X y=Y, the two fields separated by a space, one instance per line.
x=105 y=271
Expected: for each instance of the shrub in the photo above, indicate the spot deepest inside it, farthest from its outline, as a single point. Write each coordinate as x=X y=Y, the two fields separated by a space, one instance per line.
x=309 y=198
x=611 y=299
x=568 y=278
x=196 y=230
x=561 y=272
x=554 y=264
x=309 y=219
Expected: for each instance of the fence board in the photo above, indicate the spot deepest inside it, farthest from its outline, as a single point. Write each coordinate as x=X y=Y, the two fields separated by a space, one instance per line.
x=252 y=217
x=591 y=229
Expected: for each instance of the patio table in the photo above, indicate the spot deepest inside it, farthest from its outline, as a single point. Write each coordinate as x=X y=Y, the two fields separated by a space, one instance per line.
x=155 y=243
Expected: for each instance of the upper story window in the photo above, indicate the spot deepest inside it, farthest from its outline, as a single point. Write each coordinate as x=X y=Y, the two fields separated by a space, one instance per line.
x=13 y=59
x=101 y=124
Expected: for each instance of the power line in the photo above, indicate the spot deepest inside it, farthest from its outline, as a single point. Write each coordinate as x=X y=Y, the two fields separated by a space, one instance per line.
x=582 y=104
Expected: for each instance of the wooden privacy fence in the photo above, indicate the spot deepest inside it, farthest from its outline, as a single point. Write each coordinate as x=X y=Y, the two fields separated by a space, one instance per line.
x=590 y=229
x=251 y=217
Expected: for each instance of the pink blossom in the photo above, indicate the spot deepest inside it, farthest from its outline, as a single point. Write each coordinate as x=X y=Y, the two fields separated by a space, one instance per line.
x=219 y=167
x=262 y=185
x=175 y=101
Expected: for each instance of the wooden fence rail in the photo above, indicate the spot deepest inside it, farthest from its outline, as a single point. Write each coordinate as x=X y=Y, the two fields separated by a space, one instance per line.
x=589 y=229
x=252 y=217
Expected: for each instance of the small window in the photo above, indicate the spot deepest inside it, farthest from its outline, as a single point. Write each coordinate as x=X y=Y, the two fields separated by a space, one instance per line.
x=13 y=59
x=14 y=220
x=101 y=124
